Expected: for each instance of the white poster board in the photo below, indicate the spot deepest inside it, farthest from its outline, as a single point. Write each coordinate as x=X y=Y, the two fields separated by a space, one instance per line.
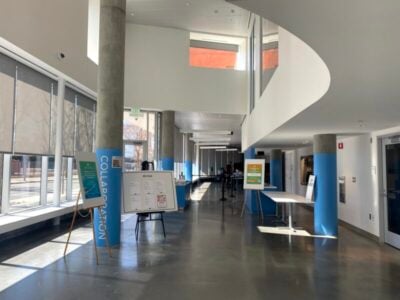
x=310 y=188
x=149 y=191
x=254 y=173
x=89 y=180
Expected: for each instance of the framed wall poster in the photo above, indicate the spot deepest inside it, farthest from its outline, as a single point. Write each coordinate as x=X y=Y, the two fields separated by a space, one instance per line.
x=89 y=180
x=254 y=174
x=306 y=168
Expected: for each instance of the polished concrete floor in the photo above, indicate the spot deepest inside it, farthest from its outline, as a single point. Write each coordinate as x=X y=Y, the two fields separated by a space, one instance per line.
x=208 y=254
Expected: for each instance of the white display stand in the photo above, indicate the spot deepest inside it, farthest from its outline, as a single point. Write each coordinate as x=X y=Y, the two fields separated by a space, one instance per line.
x=149 y=191
x=254 y=175
x=310 y=188
x=89 y=180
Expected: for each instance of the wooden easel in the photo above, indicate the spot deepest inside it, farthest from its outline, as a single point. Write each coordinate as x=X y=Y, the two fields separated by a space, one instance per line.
x=91 y=221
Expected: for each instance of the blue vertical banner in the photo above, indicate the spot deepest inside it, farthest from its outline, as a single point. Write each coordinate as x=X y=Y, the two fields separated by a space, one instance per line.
x=187 y=171
x=167 y=164
x=110 y=171
x=325 y=194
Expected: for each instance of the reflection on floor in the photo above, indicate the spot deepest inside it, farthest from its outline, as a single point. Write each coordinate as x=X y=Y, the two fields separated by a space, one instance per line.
x=288 y=231
x=207 y=255
x=199 y=193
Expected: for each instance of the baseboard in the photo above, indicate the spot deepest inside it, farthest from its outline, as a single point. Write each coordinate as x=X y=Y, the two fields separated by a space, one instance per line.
x=359 y=231
x=351 y=227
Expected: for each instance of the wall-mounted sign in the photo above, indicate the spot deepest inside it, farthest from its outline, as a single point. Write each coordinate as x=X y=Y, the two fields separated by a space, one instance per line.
x=254 y=174
x=340 y=146
x=136 y=113
x=310 y=188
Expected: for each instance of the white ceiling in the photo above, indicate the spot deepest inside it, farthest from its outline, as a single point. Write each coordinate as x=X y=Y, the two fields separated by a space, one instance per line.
x=189 y=121
x=209 y=16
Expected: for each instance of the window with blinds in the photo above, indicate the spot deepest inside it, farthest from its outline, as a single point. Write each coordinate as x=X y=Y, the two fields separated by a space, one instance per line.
x=7 y=83
x=33 y=111
x=79 y=123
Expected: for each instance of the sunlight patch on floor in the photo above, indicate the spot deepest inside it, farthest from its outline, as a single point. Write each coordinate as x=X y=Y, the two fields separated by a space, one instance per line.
x=198 y=194
x=293 y=232
x=21 y=266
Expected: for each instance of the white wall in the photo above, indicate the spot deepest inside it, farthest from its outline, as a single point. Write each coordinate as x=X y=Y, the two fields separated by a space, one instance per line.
x=43 y=28
x=158 y=75
x=300 y=80
x=354 y=162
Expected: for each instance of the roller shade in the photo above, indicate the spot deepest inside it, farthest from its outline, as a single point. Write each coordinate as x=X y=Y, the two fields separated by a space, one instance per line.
x=69 y=122
x=7 y=82
x=33 y=111
x=85 y=117
x=79 y=123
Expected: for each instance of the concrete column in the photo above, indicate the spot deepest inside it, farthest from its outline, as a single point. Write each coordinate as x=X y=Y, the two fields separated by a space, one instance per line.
x=167 y=140
x=110 y=106
x=188 y=158
x=275 y=168
x=325 y=191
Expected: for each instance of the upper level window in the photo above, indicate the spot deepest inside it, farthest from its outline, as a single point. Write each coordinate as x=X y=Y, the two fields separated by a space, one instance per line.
x=269 y=52
x=93 y=30
x=217 y=52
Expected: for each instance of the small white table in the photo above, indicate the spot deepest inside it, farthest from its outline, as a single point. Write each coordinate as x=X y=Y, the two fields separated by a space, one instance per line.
x=261 y=213
x=288 y=199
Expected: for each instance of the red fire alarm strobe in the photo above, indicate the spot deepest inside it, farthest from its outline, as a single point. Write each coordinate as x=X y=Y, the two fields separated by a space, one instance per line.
x=340 y=145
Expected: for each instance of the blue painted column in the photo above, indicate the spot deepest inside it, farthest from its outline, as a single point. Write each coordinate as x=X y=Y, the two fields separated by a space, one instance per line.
x=275 y=169
x=251 y=196
x=111 y=189
x=325 y=192
x=167 y=140
x=188 y=170
x=109 y=115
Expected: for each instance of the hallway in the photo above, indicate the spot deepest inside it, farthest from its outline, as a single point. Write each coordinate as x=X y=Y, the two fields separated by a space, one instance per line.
x=210 y=256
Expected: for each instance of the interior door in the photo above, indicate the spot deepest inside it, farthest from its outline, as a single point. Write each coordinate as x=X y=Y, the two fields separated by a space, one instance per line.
x=391 y=187
x=134 y=155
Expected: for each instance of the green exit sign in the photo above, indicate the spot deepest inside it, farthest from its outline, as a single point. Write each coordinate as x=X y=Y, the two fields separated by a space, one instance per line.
x=136 y=113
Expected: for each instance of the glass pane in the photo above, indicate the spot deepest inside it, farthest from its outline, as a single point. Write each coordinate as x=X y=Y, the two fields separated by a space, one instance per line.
x=133 y=157
x=135 y=127
x=75 y=181
x=50 y=181
x=64 y=181
x=7 y=78
x=1 y=178
x=25 y=182
x=269 y=52
x=252 y=70
x=212 y=58
x=69 y=180
x=393 y=187
x=32 y=105
x=151 y=143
